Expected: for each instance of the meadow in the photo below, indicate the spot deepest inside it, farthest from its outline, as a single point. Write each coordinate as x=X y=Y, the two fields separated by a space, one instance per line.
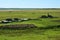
x=35 y=33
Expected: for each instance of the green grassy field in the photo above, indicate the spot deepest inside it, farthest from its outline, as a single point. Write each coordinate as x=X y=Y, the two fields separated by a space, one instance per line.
x=28 y=13
x=31 y=34
x=31 y=14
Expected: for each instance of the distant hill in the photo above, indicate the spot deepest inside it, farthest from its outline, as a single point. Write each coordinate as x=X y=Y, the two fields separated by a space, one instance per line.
x=29 y=8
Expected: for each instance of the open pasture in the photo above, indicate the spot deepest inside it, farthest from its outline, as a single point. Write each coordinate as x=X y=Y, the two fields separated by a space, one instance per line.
x=34 y=33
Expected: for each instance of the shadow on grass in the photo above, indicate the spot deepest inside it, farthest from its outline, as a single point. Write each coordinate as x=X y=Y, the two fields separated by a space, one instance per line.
x=49 y=27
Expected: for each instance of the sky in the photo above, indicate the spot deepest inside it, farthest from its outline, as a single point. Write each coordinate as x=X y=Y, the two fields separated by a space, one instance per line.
x=29 y=3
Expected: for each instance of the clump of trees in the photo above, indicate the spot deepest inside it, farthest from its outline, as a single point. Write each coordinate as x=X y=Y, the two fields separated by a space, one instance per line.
x=48 y=16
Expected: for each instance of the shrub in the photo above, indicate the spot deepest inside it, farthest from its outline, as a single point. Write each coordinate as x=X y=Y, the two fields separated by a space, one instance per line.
x=9 y=19
x=43 y=16
x=16 y=19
